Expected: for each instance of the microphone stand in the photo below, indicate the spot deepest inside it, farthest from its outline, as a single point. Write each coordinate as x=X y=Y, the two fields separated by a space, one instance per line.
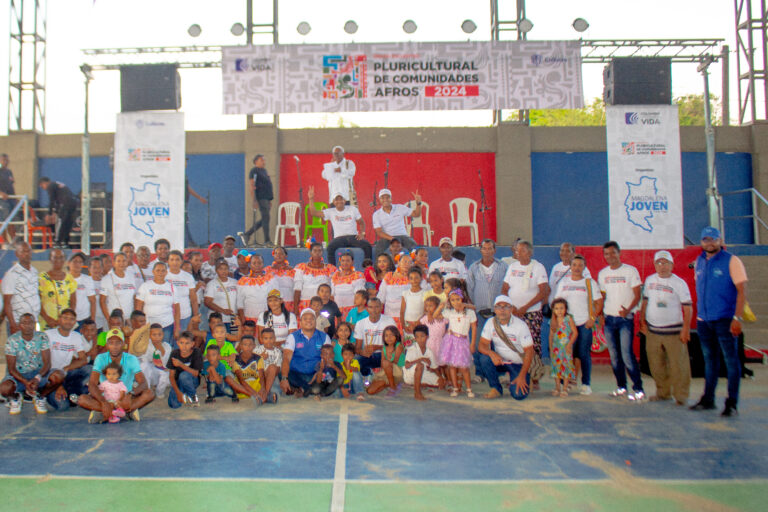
x=483 y=206
x=373 y=201
x=386 y=175
x=208 y=213
x=301 y=195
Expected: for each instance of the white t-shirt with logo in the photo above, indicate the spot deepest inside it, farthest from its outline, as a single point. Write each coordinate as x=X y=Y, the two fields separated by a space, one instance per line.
x=666 y=297
x=231 y=262
x=518 y=334
x=182 y=283
x=85 y=289
x=393 y=223
x=119 y=291
x=101 y=322
x=158 y=302
x=558 y=273
x=279 y=324
x=575 y=294
x=23 y=287
x=224 y=295
x=344 y=222
x=617 y=284
x=64 y=349
x=524 y=281
x=372 y=333
x=454 y=268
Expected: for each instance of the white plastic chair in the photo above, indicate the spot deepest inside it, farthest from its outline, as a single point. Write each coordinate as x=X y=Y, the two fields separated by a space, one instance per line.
x=421 y=222
x=465 y=216
x=291 y=212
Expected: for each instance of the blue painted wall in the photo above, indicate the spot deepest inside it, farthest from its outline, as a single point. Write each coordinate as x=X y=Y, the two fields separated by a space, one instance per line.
x=570 y=196
x=219 y=175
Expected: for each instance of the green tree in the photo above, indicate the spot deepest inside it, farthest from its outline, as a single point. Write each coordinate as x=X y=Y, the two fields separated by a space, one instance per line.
x=691 y=109
x=592 y=114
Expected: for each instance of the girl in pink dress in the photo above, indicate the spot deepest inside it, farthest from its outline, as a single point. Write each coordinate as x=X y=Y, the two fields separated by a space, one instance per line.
x=114 y=390
x=455 y=351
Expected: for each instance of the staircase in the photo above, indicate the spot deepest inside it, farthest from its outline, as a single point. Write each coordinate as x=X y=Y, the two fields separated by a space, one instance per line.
x=756 y=334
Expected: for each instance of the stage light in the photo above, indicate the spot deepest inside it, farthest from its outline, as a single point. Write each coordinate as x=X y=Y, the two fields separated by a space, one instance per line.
x=194 y=30
x=525 y=25
x=303 y=28
x=409 y=27
x=468 y=26
x=350 y=27
x=237 y=29
x=580 y=25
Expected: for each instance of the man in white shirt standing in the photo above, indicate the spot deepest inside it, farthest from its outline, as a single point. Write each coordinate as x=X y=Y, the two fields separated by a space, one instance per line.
x=369 y=336
x=68 y=357
x=620 y=284
x=512 y=352
x=447 y=264
x=339 y=174
x=665 y=319
x=21 y=288
x=348 y=225
x=526 y=285
x=389 y=222
x=562 y=269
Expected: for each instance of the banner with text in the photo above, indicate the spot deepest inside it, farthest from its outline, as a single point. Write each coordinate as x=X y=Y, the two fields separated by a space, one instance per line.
x=401 y=77
x=645 y=189
x=149 y=179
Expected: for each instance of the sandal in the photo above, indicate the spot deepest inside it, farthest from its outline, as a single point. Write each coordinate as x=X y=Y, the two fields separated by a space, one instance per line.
x=556 y=393
x=454 y=393
x=563 y=394
x=470 y=394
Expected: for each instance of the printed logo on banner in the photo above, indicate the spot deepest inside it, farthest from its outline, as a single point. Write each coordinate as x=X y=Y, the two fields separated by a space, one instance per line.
x=643 y=202
x=259 y=64
x=645 y=118
x=134 y=155
x=149 y=155
x=146 y=206
x=627 y=148
x=643 y=148
x=344 y=76
x=631 y=117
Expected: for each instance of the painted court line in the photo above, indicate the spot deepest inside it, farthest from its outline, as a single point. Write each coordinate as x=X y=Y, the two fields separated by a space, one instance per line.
x=340 y=472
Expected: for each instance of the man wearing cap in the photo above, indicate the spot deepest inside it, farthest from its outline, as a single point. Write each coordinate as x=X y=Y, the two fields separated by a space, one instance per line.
x=139 y=393
x=665 y=319
x=620 y=285
x=301 y=353
x=228 y=253
x=511 y=351
x=447 y=265
x=348 y=225
x=389 y=221
x=260 y=186
x=339 y=173
x=721 y=286
x=369 y=332
x=208 y=270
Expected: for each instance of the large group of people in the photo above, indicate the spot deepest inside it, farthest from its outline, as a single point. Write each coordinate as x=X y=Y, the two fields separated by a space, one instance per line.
x=110 y=333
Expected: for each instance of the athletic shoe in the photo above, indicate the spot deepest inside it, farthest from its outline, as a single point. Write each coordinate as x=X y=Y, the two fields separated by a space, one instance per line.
x=15 y=405
x=366 y=382
x=619 y=392
x=187 y=399
x=638 y=396
x=134 y=415
x=28 y=398
x=730 y=409
x=74 y=398
x=470 y=394
x=40 y=405
x=209 y=399
x=242 y=238
x=194 y=401
x=585 y=390
x=92 y=418
x=235 y=399
x=702 y=405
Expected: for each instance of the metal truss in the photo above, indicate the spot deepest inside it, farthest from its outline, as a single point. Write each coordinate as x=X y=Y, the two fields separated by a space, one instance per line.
x=752 y=59
x=26 y=65
x=679 y=50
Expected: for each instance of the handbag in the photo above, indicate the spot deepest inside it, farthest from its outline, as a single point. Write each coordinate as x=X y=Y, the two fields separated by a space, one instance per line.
x=598 y=333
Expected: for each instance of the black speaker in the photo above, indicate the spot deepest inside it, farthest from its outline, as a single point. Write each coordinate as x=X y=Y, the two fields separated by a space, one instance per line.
x=150 y=87
x=638 y=81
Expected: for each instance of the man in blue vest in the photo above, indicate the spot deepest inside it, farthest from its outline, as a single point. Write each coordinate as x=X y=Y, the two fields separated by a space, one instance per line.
x=301 y=353
x=720 y=297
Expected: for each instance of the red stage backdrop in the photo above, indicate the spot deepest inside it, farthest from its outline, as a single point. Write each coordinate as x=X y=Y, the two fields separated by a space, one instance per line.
x=439 y=177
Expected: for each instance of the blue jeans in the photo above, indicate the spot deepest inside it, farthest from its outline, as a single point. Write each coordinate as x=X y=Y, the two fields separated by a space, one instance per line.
x=619 y=333
x=545 y=323
x=187 y=385
x=480 y=324
x=168 y=335
x=222 y=389
x=369 y=363
x=356 y=384
x=75 y=383
x=184 y=323
x=713 y=335
x=300 y=380
x=491 y=374
x=582 y=350
x=28 y=376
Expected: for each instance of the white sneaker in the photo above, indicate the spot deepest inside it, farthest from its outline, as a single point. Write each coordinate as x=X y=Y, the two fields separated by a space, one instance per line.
x=585 y=390
x=637 y=397
x=15 y=405
x=194 y=401
x=40 y=405
x=619 y=392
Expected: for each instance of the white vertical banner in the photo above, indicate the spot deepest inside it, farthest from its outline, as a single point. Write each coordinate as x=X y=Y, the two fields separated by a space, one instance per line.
x=645 y=189
x=148 y=198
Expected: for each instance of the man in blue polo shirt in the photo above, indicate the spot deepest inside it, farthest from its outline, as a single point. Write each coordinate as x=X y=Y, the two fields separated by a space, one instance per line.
x=721 y=293
x=138 y=394
x=301 y=353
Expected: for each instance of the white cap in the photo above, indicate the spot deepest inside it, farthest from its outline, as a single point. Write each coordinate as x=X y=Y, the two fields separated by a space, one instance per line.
x=502 y=298
x=663 y=255
x=385 y=191
x=307 y=310
x=445 y=240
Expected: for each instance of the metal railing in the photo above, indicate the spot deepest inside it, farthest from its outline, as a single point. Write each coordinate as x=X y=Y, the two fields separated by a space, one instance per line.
x=757 y=221
x=21 y=204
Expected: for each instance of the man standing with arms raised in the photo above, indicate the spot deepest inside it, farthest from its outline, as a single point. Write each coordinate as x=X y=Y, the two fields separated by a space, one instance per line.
x=721 y=288
x=260 y=186
x=339 y=174
x=348 y=225
x=389 y=222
